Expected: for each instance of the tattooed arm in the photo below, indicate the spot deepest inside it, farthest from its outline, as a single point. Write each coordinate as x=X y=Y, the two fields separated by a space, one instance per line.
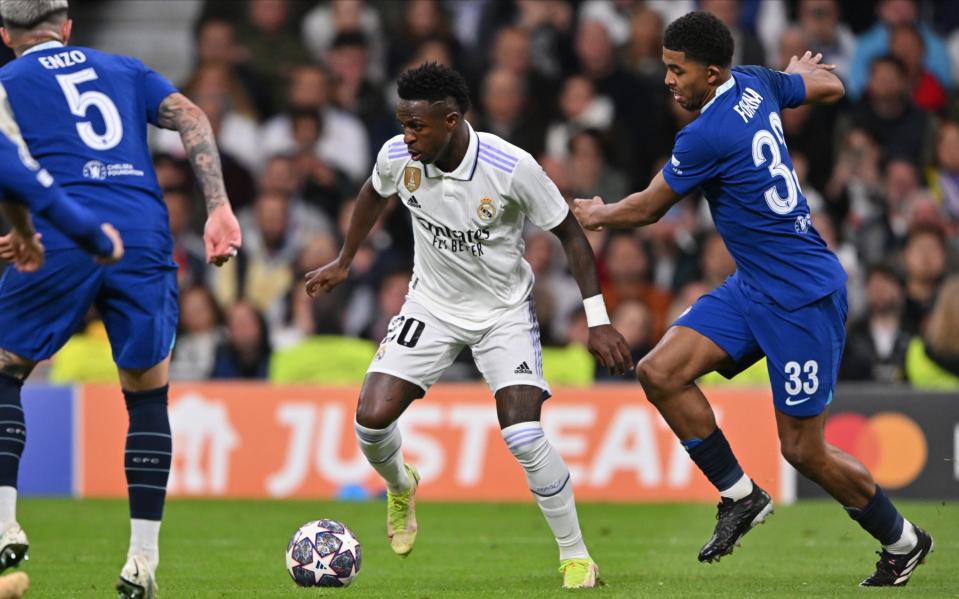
x=221 y=235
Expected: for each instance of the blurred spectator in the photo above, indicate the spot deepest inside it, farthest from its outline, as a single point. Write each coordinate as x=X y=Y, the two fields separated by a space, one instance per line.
x=272 y=38
x=889 y=115
x=877 y=343
x=274 y=233
x=189 y=253
x=627 y=278
x=198 y=335
x=944 y=177
x=172 y=172
x=887 y=230
x=591 y=173
x=216 y=45
x=554 y=291
x=549 y=23
x=941 y=336
x=715 y=261
x=747 y=49
x=511 y=51
x=503 y=105
x=613 y=14
x=848 y=258
x=389 y=301
x=245 y=351
x=644 y=51
x=634 y=98
x=327 y=20
x=580 y=108
x=823 y=32
x=924 y=258
x=422 y=20
x=347 y=59
x=633 y=321
x=687 y=296
x=343 y=140
x=905 y=43
x=305 y=175
x=875 y=43
x=854 y=190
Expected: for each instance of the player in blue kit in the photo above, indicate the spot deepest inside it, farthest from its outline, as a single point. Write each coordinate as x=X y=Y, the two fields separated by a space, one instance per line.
x=83 y=114
x=786 y=301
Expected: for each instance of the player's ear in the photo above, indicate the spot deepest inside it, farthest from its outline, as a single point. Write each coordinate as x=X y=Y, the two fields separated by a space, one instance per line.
x=65 y=30
x=452 y=119
x=6 y=37
x=712 y=74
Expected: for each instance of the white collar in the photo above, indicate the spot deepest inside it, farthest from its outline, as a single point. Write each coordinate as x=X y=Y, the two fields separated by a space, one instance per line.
x=43 y=46
x=725 y=87
x=467 y=166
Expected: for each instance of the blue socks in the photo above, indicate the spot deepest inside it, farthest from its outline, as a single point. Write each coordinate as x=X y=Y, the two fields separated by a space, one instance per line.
x=715 y=458
x=13 y=430
x=149 y=450
x=880 y=518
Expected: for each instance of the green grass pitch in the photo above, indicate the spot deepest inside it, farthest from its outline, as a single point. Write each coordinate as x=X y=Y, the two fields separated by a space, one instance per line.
x=236 y=549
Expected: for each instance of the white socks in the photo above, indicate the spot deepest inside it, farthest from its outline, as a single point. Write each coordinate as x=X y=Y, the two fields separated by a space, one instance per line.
x=382 y=448
x=740 y=489
x=145 y=540
x=8 y=507
x=907 y=541
x=549 y=481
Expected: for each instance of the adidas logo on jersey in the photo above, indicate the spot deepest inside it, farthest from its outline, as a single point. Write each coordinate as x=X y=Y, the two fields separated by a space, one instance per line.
x=412 y=203
x=523 y=369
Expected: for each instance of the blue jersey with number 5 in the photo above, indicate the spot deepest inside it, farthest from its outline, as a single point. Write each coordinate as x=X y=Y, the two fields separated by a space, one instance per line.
x=84 y=114
x=735 y=152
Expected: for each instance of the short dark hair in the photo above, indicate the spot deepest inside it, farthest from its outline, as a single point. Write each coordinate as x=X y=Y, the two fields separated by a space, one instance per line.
x=702 y=37
x=889 y=59
x=434 y=82
x=886 y=270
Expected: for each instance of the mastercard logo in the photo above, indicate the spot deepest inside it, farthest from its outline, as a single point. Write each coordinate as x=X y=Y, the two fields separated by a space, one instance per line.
x=891 y=445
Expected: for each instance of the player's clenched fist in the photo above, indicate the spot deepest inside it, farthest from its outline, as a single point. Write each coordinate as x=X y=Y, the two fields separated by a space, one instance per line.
x=114 y=236
x=587 y=212
x=326 y=277
x=26 y=253
x=609 y=347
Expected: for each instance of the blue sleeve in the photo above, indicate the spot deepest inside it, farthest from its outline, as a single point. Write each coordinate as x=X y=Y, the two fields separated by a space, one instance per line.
x=156 y=88
x=23 y=181
x=693 y=163
x=789 y=88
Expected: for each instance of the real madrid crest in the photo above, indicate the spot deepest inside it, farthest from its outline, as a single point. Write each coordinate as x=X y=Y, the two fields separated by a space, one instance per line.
x=486 y=210
x=411 y=178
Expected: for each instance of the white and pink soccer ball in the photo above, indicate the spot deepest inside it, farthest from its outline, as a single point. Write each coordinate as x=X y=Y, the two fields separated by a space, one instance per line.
x=323 y=553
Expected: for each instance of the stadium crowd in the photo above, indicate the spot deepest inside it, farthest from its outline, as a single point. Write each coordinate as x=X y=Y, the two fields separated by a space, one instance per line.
x=301 y=95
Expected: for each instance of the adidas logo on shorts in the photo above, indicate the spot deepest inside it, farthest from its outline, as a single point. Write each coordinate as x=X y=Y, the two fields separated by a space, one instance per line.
x=412 y=203
x=523 y=369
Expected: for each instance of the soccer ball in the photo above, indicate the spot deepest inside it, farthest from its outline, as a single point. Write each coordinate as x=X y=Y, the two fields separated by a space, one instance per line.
x=323 y=553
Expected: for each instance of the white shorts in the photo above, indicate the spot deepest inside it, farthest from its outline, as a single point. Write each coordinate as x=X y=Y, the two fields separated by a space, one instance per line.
x=419 y=347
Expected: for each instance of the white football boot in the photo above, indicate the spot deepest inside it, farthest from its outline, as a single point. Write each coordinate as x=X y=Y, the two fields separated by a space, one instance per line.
x=137 y=580
x=13 y=547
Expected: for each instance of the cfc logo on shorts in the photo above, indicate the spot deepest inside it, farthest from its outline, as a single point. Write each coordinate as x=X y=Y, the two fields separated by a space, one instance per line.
x=486 y=210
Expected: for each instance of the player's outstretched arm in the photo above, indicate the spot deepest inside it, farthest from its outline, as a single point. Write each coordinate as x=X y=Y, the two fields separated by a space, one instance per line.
x=369 y=206
x=635 y=210
x=605 y=342
x=221 y=235
x=822 y=85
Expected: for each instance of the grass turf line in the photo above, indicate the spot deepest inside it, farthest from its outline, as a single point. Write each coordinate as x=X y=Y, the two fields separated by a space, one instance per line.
x=218 y=549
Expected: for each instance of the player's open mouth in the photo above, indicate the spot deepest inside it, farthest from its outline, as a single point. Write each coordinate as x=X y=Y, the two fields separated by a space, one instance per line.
x=676 y=96
x=416 y=155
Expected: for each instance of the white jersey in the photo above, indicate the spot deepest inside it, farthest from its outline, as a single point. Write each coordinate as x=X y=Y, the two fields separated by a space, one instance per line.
x=468 y=264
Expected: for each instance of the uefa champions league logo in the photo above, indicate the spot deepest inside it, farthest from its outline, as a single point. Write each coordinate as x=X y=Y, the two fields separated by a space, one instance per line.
x=95 y=170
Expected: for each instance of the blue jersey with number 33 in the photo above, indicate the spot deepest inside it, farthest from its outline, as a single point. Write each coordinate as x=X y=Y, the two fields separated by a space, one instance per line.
x=735 y=152
x=84 y=114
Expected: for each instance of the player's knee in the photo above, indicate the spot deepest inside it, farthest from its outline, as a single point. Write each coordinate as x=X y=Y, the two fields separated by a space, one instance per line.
x=804 y=457
x=373 y=414
x=655 y=377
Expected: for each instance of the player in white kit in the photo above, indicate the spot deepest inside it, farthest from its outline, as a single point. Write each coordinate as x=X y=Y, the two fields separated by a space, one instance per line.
x=469 y=195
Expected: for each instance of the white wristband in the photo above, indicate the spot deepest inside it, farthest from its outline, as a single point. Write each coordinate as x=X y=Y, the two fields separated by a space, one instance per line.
x=595 y=311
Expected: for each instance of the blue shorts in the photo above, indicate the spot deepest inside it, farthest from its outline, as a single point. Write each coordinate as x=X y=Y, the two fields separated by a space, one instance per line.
x=802 y=347
x=137 y=299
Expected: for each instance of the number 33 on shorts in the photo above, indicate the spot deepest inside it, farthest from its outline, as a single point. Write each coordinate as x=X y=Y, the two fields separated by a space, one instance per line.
x=802 y=381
